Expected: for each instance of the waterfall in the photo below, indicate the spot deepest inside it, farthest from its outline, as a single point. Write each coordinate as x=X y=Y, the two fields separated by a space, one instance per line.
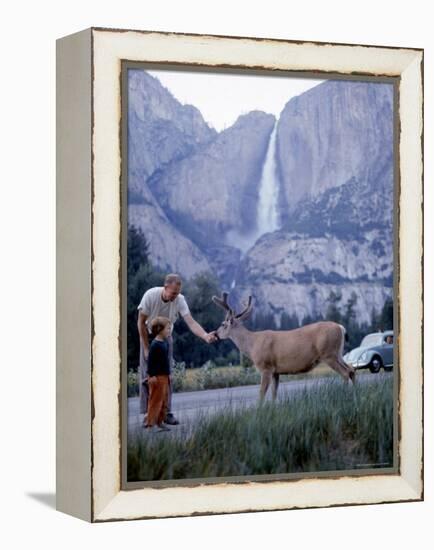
x=267 y=219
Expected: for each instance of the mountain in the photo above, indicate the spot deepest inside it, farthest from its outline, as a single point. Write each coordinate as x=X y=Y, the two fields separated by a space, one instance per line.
x=214 y=191
x=168 y=248
x=196 y=194
x=296 y=273
x=160 y=130
x=334 y=155
x=332 y=133
x=351 y=209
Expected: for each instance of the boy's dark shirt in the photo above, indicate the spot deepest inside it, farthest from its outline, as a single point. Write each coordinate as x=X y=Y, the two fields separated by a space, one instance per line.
x=158 y=358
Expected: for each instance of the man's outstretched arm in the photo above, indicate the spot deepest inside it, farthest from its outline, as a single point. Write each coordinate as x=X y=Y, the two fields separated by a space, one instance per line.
x=198 y=331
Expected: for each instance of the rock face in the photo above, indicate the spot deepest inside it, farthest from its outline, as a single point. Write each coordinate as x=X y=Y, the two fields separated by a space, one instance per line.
x=214 y=191
x=296 y=273
x=348 y=211
x=160 y=130
x=335 y=159
x=195 y=194
x=334 y=132
x=168 y=248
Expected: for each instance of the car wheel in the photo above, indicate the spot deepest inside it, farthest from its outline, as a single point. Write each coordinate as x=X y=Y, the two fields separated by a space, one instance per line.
x=375 y=364
x=388 y=369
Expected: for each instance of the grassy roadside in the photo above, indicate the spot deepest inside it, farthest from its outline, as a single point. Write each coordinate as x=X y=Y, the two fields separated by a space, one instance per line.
x=326 y=427
x=211 y=377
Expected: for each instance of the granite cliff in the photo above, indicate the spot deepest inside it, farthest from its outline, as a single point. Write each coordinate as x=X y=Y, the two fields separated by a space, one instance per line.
x=327 y=172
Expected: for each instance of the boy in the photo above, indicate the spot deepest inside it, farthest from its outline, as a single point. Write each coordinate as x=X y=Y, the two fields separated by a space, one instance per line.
x=158 y=375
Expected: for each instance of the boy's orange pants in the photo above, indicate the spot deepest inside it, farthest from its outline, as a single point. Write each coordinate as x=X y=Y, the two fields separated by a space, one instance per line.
x=158 y=399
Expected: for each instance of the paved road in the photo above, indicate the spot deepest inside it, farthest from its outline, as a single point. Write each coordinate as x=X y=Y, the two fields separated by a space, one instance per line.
x=190 y=406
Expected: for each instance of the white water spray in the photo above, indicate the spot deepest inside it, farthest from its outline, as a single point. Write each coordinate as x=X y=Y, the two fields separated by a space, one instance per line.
x=268 y=191
x=267 y=219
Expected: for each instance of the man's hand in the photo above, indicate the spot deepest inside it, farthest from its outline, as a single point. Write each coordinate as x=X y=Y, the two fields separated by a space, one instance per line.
x=211 y=338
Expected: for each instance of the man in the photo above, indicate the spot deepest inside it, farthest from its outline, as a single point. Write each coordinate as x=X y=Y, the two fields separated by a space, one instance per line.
x=165 y=301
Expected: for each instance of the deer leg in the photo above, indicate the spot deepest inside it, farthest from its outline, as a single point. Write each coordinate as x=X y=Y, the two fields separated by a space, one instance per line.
x=265 y=382
x=338 y=367
x=275 y=385
x=350 y=370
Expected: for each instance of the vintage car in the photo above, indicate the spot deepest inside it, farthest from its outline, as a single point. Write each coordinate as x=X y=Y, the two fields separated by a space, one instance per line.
x=374 y=352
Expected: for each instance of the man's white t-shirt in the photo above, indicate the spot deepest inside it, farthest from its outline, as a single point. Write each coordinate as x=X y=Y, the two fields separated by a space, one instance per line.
x=152 y=305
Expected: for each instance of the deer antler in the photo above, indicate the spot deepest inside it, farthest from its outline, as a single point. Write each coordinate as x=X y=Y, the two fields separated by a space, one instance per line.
x=246 y=311
x=223 y=302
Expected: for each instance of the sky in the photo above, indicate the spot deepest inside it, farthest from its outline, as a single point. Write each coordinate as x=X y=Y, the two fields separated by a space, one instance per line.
x=223 y=97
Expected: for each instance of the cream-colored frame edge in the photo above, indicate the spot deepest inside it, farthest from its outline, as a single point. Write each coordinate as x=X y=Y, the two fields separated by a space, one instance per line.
x=73 y=274
x=109 y=48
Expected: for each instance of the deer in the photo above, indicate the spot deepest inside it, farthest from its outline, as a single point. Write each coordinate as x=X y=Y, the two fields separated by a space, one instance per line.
x=276 y=352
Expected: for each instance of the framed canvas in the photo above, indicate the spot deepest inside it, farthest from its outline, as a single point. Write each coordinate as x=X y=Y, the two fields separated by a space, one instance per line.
x=254 y=206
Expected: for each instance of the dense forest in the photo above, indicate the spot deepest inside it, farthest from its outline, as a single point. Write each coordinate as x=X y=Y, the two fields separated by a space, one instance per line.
x=141 y=275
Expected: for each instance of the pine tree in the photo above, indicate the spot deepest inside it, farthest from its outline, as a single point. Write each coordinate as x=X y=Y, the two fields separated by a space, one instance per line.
x=288 y=322
x=387 y=314
x=354 y=330
x=137 y=250
x=140 y=276
x=333 y=313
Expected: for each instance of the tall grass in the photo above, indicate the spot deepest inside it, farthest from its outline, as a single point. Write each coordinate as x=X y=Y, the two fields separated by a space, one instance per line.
x=328 y=426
